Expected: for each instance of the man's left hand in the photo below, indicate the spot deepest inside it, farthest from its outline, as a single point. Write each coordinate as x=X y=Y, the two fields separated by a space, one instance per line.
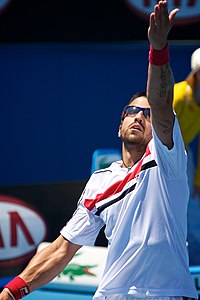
x=160 y=24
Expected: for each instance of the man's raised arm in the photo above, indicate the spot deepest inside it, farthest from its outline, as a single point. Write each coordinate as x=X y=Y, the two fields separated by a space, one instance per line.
x=160 y=80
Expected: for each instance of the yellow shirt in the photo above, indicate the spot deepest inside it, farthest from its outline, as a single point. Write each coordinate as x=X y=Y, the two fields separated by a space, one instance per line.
x=188 y=113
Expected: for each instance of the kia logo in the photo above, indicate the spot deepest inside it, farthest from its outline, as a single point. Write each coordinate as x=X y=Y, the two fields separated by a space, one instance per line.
x=21 y=230
x=189 y=10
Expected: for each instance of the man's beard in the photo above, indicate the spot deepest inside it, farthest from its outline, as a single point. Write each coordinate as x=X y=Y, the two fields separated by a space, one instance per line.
x=136 y=144
x=132 y=141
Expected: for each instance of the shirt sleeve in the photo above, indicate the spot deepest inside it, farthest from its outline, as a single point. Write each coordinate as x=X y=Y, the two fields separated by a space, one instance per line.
x=173 y=161
x=84 y=226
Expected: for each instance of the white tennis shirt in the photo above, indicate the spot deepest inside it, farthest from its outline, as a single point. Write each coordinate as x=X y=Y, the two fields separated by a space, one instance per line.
x=144 y=210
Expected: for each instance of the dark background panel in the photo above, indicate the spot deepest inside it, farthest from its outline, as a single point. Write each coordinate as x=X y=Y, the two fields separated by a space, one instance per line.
x=78 y=21
x=55 y=202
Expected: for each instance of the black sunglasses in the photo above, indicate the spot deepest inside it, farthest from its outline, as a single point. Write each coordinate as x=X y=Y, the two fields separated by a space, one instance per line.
x=132 y=110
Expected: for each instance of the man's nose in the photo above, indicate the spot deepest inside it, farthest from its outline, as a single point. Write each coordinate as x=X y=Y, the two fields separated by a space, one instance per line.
x=139 y=117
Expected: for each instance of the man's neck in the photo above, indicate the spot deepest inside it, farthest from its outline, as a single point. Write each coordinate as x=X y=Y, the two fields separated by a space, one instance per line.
x=131 y=155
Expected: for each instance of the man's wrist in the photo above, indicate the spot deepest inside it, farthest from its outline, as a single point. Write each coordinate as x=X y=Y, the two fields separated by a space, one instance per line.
x=18 y=288
x=159 y=57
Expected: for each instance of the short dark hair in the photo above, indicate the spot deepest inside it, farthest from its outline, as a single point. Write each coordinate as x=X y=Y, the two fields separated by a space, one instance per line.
x=137 y=95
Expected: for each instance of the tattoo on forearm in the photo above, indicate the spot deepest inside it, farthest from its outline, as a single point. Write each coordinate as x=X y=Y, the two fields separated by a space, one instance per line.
x=166 y=80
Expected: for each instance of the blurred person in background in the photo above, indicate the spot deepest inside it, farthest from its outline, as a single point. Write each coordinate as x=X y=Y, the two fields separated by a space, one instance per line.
x=187 y=107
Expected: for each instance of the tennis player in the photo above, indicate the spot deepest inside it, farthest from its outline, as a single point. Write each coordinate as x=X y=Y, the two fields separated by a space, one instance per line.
x=141 y=199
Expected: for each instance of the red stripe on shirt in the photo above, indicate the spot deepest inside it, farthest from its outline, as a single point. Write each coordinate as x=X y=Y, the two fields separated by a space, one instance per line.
x=117 y=186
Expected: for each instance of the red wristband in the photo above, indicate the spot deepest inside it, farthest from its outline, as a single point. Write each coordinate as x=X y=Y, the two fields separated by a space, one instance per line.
x=18 y=288
x=159 y=57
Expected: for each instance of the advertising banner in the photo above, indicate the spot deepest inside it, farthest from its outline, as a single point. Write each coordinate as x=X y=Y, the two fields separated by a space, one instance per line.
x=29 y=215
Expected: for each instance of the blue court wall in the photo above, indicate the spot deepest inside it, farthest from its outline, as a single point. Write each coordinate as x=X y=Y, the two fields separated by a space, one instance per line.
x=60 y=102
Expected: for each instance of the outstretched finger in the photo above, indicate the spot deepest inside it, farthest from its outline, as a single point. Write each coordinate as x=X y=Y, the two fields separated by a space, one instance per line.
x=152 y=24
x=157 y=15
x=172 y=15
x=163 y=11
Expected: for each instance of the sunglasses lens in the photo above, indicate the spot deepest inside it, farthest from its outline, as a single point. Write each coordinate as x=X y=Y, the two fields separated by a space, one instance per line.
x=146 y=112
x=134 y=110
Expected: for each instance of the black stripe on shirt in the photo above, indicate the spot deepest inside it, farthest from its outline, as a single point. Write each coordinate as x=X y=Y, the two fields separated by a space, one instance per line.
x=149 y=165
x=126 y=192
x=146 y=166
x=103 y=171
